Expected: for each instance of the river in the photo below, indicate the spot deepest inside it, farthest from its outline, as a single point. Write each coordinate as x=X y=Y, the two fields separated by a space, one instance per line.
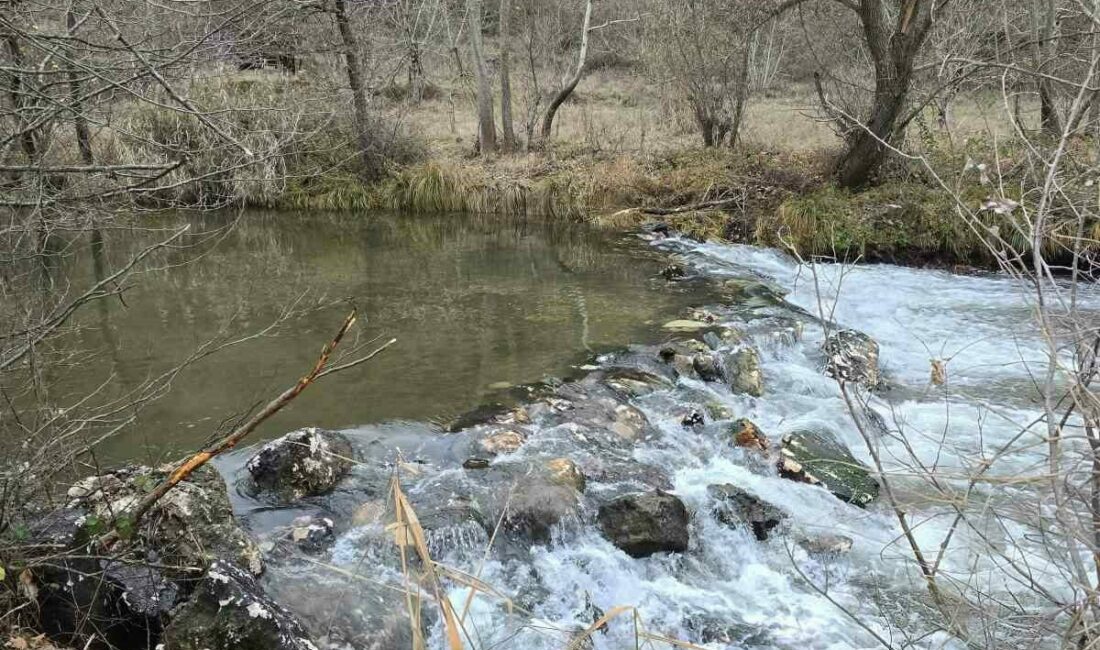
x=479 y=307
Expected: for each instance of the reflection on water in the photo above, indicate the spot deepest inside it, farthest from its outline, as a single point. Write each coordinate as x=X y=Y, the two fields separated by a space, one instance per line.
x=474 y=303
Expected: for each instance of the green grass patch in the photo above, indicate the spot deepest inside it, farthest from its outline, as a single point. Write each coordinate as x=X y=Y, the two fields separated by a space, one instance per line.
x=892 y=222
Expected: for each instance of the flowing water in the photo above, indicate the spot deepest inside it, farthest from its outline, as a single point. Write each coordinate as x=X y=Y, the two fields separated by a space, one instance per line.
x=474 y=304
x=728 y=590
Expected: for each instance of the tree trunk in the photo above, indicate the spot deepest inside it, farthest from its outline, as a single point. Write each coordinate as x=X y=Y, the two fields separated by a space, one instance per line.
x=416 y=74
x=507 y=129
x=866 y=151
x=571 y=85
x=893 y=51
x=80 y=121
x=1049 y=121
x=742 y=95
x=1044 y=21
x=371 y=166
x=486 y=124
x=19 y=93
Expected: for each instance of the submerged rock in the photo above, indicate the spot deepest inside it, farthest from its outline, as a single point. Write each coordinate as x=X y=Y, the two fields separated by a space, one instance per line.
x=820 y=457
x=684 y=325
x=642 y=524
x=742 y=371
x=736 y=507
x=312 y=533
x=303 y=463
x=718 y=411
x=474 y=462
x=673 y=271
x=229 y=611
x=501 y=442
x=826 y=545
x=852 y=356
x=630 y=424
x=537 y=505
x=564 y=471
x=630 y=381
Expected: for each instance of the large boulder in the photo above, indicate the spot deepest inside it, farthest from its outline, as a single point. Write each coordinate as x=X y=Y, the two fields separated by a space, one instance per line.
x=642 y=524
x=852 y=356
x=229 y=611
x=736 y=507
x=816 y=456
x=303 y=463
x=124 y=601
x=190 y=526
x=79 y=599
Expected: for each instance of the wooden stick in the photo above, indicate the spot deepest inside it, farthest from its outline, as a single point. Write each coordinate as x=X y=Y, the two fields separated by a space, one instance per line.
x=184 y=469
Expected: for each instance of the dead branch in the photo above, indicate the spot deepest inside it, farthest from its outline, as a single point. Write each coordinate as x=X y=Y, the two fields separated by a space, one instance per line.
x=187 y=467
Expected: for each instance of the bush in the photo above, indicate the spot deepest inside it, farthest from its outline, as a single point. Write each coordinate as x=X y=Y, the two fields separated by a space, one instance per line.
x=295 y=130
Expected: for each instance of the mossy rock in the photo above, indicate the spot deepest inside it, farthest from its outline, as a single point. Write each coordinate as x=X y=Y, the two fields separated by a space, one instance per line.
x=827 y=460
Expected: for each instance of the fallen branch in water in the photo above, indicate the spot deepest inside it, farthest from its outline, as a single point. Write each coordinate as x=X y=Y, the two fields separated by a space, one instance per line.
x=716 y=204
x=186 y=468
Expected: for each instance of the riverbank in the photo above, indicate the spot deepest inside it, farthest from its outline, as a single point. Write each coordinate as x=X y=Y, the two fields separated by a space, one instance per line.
x=783 y=200
x=614 y=164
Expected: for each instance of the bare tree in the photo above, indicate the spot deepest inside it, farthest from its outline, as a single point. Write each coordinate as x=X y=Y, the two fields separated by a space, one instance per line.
x=358 y=87
x=894 y=31
x=507 y=128
x=486 y=124
x=703 y=48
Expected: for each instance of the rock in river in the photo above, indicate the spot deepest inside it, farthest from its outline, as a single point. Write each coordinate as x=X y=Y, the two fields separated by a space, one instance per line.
x=123 y=601
x=303 y=463
x=853 y=356
x=646 y=523
x=742 y=370
x=538 y=505
x=736 y=507
x=228 y=610
x=822 y=458
x=746 y=434
x=685 y=326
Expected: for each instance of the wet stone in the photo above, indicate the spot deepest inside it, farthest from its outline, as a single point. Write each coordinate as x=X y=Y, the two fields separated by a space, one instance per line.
x=734 y=506
x=826 y=545
x=642 y=524
x=475 y=463
x=501 y=442
x=303 y=463
x=747 y=435
x=564 y=471
x=229 y=611
x=853 y=356
x=692 y=420
x=742 y=371
x=820 y=456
